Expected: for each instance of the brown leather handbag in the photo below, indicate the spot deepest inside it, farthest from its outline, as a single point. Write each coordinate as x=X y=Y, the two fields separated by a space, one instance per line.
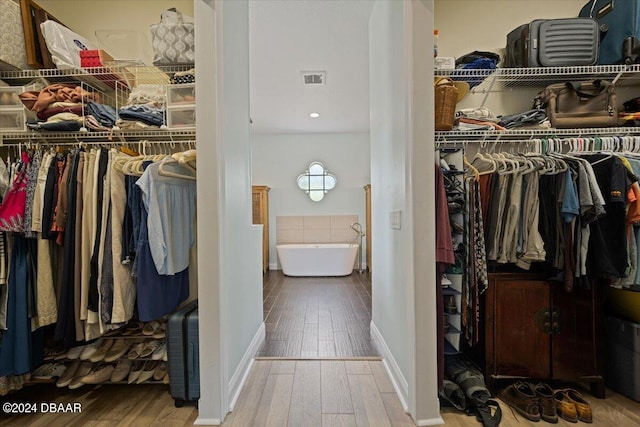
x=581 y=104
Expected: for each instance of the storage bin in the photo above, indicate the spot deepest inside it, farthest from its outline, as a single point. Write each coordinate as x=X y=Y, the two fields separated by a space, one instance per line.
x=181 y=94
x=13 y=121
x=9 y=97
x=94 y=58
x=623 y=357
x=181 y=117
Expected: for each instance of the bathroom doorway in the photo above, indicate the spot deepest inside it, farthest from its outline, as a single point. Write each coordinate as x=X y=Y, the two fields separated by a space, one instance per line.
x=309 y=68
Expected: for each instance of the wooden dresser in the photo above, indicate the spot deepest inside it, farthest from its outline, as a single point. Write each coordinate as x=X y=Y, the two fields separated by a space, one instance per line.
x=261 y=216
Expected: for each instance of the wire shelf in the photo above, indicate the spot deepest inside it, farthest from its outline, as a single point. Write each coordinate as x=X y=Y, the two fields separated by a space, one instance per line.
x=128 y=136
x=540 y=77
x=524 y=134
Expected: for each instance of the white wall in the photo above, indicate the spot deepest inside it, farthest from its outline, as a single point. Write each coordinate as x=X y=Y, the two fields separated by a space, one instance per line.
x=391 y=251
x=86 y=16
x=278 y=159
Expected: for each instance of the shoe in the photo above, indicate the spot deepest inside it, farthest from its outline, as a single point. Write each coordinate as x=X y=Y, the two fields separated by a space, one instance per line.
x=453 y=394
x=90 y=349
x=565 y=407
x=75 y=352
x=445 y=282
x=52 y=353
x=161 y=332
x=446 y=323
x=135 y=371
x=99 y=375
x=121 y=370
x=548 y=411
x=522 y=397
x=583 y=408
x=165 y=380
x=101 y=351
x=119 y=349
x=456 y=227
x=48 y=371
x=160 y=372
x=149 y=348
x=147 y=371
x=150 y=328
x=68 y=374
x=135 y=350
x=132 y=328
x=454 y=207
x=450 y=306
x=159 y=353
x=83 y=370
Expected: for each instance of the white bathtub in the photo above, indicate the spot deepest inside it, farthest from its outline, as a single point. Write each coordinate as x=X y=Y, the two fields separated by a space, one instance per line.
x=317 y=259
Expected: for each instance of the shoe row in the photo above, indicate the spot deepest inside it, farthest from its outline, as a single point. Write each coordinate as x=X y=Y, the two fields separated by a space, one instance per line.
x=155 y=328
x=78 y=373
x=112 y=349
x=539 y=401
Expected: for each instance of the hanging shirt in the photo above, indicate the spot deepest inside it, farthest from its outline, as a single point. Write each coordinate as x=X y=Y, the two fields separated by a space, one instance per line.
x=171 y=204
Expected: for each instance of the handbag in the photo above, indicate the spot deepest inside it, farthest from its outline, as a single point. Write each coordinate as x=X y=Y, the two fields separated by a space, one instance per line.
x=581 y=104
x=173 y=39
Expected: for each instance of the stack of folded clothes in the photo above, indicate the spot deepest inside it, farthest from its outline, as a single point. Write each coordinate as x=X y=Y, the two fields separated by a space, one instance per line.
x=66 y=107
x=145 y=108
x=476 y=119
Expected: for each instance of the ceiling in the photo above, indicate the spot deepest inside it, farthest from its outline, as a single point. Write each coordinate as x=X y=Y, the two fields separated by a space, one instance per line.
x=291 y=36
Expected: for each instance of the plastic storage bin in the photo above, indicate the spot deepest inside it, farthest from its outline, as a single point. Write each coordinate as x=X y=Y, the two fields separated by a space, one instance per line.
x=13 y=121
x=181 y=117
x=623 y=357
x=9 y=97
x=181 y=94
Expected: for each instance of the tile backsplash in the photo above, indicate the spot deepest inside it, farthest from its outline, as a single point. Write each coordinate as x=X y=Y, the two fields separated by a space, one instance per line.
x=315 y=229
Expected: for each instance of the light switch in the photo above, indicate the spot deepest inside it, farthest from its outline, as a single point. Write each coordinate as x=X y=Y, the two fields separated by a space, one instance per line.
x=394 y=218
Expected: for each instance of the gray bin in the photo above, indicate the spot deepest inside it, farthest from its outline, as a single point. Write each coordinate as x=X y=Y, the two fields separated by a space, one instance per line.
x=623 y=357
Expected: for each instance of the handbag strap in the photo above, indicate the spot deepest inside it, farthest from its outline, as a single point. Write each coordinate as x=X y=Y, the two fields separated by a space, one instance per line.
x=602 y=86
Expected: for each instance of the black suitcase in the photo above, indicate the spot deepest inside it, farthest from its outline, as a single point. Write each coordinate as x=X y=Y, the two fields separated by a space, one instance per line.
x=183 y=356
x=553 y=43
x=620 y=21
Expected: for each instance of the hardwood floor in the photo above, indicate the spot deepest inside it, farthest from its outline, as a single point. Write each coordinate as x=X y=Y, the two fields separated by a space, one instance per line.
x=282 y=393
x=317 y=317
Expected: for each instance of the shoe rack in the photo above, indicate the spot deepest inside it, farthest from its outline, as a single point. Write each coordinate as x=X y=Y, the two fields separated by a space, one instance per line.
x=452 y=282
x=132 y=354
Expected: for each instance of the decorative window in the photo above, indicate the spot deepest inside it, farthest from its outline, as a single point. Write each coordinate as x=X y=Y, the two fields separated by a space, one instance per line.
x=316 y=181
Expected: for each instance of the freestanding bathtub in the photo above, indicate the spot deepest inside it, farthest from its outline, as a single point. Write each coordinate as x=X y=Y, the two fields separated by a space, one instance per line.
x=317 y=259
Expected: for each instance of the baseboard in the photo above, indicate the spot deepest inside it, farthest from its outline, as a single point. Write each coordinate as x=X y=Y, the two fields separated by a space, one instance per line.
x=431 y=422
x=207 y=422
x=398 y=380
x=240 y=375
x=274 y=266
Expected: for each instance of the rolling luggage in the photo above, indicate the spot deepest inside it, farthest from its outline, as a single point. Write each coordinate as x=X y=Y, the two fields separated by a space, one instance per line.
x=182 y=355
x=553 y=43
x=620 y=21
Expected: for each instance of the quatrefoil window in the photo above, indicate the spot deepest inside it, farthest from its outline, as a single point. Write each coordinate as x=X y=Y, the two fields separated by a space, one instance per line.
x=316 y=181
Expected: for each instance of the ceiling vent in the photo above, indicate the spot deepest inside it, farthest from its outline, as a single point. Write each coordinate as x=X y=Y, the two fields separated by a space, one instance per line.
x=314 y=77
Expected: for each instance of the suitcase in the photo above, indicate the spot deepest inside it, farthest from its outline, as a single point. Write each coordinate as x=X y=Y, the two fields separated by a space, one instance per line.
x=619 y=20
x=553 y=43
x=182 y=355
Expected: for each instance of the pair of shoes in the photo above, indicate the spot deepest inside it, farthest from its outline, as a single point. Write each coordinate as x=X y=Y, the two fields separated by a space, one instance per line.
x=101 y=350
x=161 y=332
x=121 y=370
x=142 y=371
x=149 y=348
x=90 y=349
x=571 y=406
x=521 y=396
x=48 y=371
x=160 y=352
x=160 y=371
x=450 y=306
x=83 y=369
x=150 y=328
x=119 y=348
x=98 y=375
x=453 y=394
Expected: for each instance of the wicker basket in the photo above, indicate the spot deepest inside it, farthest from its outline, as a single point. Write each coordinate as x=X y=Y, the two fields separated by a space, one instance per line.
x=446 y=98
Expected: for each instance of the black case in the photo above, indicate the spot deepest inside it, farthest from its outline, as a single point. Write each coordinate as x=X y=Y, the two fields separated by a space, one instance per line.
x=183 y=355
x=553 y=43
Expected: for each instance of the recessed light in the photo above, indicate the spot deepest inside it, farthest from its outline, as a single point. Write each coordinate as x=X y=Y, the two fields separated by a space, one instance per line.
x=314 y=115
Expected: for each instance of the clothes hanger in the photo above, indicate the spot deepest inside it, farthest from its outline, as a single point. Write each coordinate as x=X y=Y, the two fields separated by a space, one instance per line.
x=164 y=172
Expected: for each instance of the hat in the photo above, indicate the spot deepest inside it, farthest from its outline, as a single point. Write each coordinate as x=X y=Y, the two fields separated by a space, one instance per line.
x=463 y=87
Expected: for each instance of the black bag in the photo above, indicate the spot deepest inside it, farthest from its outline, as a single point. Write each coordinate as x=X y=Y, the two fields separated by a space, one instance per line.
x=553 y=43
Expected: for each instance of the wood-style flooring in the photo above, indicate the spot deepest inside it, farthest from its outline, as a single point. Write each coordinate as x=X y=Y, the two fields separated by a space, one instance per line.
x=317 y=317
x=327 y=393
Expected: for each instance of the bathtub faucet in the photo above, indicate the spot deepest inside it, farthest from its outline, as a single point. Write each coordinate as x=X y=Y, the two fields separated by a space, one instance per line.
x=358 y=229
